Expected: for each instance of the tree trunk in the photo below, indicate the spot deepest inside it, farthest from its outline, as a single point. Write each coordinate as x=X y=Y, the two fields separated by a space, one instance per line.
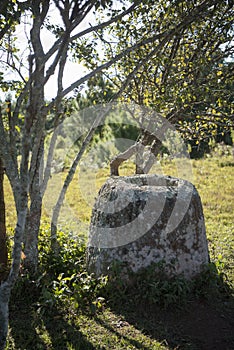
x=3 y=246
x=154 y=151
x=31 y=234
x=33 y=219
x=140 y=160
x=122 y=157
x=6 y=286
x=4 y=314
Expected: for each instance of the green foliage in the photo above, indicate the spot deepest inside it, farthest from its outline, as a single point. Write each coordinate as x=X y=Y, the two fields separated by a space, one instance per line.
x=152 y=286
x=10 y=12
x=213 y=282
x=189 y=79
x=63 y=282
x=63 y=279
x=99 y=90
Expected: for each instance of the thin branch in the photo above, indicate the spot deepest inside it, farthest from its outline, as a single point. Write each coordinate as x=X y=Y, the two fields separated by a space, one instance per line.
x=85 y=10
x=54 y=48
x=107 y=23
x=9 y=158
x=174 y=49
x=47 y=172
x=13 y=66
x=110 y=63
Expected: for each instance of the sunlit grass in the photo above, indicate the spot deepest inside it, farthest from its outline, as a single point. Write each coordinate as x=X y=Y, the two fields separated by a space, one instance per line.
x=73 y=329
x=213 y=177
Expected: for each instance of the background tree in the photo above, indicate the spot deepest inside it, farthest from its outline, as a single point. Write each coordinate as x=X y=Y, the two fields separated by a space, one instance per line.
x=189 y=79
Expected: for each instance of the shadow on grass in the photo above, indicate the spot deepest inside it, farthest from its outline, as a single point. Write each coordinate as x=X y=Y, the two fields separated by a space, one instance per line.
x=199 y=326
x=204 y=320
x=64 y=334
x=128 y=339
x=35 y=329
x=31 y=331
x=22 y=330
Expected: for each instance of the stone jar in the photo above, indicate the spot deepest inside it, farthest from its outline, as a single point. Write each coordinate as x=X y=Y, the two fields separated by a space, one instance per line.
x=142 y=220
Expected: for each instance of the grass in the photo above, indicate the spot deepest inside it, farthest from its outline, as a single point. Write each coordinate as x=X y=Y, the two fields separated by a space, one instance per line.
x=53 y=312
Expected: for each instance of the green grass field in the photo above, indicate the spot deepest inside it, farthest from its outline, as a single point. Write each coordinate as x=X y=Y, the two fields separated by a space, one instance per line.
x=43 y=315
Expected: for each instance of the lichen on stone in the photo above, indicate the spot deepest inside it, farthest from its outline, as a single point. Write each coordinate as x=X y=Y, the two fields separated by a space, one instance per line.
x=144 y=219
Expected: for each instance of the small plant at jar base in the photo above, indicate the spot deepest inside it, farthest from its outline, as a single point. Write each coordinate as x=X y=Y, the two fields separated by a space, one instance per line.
x=70 y=257
x=156 y=287
x=149 y=284
x=63 y=279
x=79 y=290
x=153 y=286
x=212 y=283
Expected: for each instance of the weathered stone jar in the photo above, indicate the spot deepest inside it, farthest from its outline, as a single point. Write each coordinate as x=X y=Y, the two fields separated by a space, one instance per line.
x=144 y=219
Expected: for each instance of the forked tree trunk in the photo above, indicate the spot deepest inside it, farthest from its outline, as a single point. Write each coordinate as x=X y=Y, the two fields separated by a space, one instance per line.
x=6 y=286
x=122 y=157
x=3 y=246
x=142 y=167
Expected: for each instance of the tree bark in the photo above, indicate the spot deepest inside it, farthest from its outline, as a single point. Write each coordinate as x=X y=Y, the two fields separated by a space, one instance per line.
x=4 y=314
x=140 y=160
x=3 y=246
x=154 y=151
x=32 y=233
x=6 y=286
x=37 y=116
x=33 y=220
x=122 y=157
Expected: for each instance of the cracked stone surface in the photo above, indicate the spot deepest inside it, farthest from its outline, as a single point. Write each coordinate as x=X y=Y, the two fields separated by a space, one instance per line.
x=147 y=219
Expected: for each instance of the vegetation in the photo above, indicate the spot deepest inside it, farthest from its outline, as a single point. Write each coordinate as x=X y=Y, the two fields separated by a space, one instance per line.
x=63 y=307
x=185 y=48
x=189 y=79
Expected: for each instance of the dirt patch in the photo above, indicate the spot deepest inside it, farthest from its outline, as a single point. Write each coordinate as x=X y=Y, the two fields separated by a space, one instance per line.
x=211 y=329
x=199 y=326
